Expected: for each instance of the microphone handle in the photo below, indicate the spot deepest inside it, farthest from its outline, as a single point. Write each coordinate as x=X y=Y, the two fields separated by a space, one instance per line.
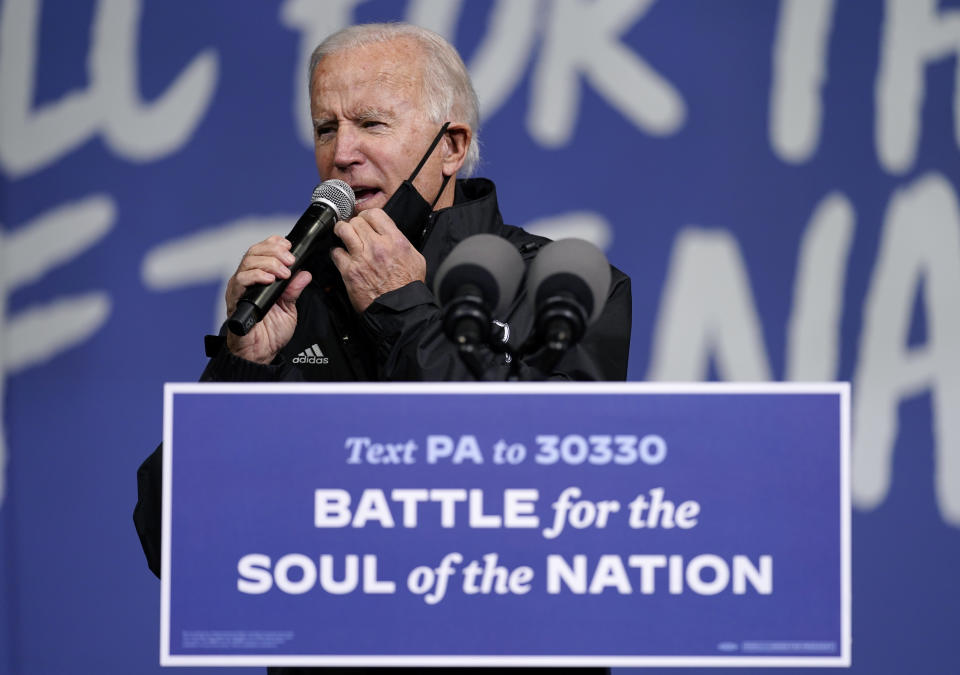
x=314 y=227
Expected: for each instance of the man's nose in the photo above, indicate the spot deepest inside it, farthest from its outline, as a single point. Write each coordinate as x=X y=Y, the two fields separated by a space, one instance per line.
x=347 y=150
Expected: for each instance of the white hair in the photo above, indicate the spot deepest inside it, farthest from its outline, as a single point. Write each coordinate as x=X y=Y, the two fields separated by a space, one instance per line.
x=448 y=93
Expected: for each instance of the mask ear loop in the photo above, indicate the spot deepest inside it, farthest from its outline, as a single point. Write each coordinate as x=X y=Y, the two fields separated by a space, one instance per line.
x=430 y=150
x=423 y=161
x=443 y=184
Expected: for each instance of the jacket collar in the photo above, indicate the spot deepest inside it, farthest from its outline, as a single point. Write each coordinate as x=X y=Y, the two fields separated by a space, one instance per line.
x=474 y=211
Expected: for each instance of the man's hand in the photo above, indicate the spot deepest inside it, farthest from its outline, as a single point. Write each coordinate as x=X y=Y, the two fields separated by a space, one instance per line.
x=377 y=259
x=262 y=264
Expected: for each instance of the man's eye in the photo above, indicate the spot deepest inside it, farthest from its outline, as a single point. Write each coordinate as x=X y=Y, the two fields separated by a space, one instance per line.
x=323 y=131
x=371 y=124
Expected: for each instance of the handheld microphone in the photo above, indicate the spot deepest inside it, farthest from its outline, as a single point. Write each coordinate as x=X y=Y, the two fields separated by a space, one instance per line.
x=476 y=282
x=568 y=285
x=332 y=200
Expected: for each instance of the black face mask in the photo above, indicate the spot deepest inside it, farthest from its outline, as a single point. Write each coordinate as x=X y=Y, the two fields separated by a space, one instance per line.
x=407 y=208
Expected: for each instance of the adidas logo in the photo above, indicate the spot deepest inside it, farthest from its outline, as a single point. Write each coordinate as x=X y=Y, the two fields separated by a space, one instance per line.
x=311 y=355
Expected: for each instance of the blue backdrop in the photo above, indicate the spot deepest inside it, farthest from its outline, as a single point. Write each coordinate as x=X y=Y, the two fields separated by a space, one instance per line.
x=779 y=179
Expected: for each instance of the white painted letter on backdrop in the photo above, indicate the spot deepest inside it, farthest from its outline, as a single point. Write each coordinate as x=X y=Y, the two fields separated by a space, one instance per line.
x=583 y=39
x=210 y=254
x=919 y=250
x=314 y=21
x=440 y=16
x=813 y=335
x=498 y=64
x=707 y=308
x=41 y=331
x=135 y=130
x=914 y=34
x=31 y=139
x=799 y=71
x=587 y=225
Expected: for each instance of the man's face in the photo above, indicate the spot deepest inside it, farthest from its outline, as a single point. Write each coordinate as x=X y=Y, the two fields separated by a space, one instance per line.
x=370 y=128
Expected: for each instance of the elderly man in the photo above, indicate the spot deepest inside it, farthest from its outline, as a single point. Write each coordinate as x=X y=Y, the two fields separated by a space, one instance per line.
x=380 y=96
x=388 y=101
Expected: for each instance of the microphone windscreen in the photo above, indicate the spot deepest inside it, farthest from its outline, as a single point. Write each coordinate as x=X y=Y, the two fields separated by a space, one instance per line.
x=489 y=262
x=336 y=194
x=571 y=266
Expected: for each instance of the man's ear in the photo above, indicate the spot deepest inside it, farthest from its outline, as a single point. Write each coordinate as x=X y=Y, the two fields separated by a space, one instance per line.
x=455 y=144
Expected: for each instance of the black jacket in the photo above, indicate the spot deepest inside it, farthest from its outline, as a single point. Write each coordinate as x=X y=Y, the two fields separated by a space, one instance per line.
x=400 y=338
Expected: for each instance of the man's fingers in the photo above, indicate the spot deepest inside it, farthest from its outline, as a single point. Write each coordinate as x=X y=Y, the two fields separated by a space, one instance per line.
x=378 y=221
x=346 y=230
x=241 y=281
x=263 y=262
x=340 y=258
x=361 y=233
x=248 y=278
x=275 y=246
x=272 y=254
x=371 y=235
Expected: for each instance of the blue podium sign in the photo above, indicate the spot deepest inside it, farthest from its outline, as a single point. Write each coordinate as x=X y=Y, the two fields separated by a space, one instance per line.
x=491 y=525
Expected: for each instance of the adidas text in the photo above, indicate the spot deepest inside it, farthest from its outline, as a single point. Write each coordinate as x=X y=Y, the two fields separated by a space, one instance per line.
x=311 y=359
x=311 y=355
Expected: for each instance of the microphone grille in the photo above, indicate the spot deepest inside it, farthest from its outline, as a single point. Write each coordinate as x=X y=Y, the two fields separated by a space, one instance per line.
x=337 y=194
x=574 y=266
x=490 y=262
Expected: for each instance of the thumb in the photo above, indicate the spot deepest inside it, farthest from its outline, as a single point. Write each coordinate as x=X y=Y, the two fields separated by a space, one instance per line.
x=296 y=286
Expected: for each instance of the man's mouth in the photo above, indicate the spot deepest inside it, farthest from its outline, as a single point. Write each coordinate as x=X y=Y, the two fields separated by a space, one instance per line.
x=364 y=194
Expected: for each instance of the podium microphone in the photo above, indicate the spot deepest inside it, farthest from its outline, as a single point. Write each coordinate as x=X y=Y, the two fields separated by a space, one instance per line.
x=476 y=282
x=568 y=285
x=333 y=200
